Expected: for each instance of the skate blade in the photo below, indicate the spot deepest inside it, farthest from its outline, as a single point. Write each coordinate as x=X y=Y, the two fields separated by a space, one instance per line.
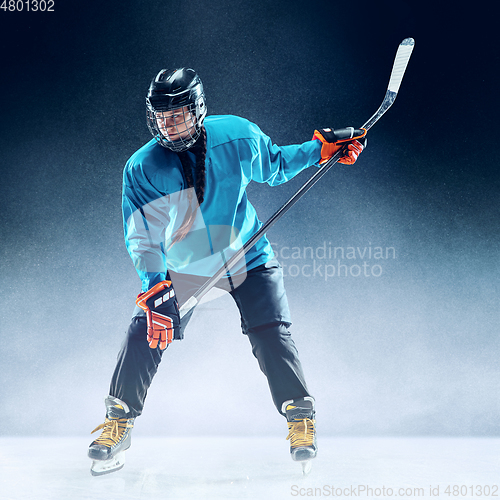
x=101 y=467
x=306 y=467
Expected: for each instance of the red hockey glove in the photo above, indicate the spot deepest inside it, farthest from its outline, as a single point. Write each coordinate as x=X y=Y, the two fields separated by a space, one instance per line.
x=162 y=312
x=345 y=138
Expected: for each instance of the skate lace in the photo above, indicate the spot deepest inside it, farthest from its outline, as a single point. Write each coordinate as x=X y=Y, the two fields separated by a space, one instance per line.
x=301 y=432
x=113 y=430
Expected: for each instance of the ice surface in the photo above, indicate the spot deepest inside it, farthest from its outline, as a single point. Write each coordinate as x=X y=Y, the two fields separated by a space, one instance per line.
x=256 y=468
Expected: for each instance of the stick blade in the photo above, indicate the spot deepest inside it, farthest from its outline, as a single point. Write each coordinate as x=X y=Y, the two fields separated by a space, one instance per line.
x=400 y=62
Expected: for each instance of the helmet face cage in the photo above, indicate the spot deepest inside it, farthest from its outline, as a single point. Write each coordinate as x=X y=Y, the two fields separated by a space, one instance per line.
x=175 y=109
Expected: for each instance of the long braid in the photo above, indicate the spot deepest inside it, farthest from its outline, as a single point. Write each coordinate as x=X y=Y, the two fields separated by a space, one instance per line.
x=200 y=151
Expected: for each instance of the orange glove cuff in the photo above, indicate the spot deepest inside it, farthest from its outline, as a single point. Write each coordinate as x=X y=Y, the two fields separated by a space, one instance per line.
x=328 y=149
x=142 y=298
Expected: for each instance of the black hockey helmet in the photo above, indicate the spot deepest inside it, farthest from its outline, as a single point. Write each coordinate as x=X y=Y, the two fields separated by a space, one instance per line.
x=180 y=90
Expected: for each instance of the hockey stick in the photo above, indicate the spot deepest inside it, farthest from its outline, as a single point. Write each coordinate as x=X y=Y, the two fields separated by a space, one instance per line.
x=400 y=62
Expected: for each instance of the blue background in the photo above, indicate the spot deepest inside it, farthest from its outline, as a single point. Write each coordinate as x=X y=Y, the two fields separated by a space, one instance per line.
x=411 y=352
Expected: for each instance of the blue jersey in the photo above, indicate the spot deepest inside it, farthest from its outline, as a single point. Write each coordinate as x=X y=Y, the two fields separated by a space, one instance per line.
x=155 y=200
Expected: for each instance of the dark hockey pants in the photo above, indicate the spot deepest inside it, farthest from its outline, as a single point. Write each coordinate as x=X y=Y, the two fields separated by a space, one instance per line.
x=265 y=319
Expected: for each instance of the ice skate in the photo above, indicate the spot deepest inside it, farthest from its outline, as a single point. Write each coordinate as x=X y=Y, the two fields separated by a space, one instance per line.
x=301 y=430
x=108 y=450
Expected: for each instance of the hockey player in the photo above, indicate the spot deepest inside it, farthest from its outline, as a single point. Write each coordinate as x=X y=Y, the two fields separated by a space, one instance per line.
x=185 y=210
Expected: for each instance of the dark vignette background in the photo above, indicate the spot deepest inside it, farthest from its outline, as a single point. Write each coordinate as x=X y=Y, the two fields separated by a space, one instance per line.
x=412 y=352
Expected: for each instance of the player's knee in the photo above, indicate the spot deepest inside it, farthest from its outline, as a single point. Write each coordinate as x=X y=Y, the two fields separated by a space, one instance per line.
x=271 y=334
x=276 y=328
x=271 y=340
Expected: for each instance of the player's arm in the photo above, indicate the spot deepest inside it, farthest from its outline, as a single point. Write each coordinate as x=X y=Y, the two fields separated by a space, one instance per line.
x=278 y=164
x=145 y=222
x=144 y=233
